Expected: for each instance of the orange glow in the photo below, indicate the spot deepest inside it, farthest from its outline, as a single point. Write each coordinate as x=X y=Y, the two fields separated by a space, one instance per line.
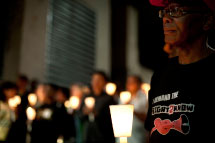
x=14 y=101
x=146 y=87
x=74 y=102
x=110 y=88
x=32 y=99
x=89 y=102
x=125 y=97
x=31 y=113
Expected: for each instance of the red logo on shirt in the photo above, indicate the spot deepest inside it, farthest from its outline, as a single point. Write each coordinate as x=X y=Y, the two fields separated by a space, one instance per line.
x=164 y=126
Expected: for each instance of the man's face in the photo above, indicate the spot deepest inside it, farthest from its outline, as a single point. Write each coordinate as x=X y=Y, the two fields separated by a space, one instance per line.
x=184 y=29
x=40 y=92
x=75 y=91
x=98 y=82
x=9 y=93
x=22 y=83
x=132 y=85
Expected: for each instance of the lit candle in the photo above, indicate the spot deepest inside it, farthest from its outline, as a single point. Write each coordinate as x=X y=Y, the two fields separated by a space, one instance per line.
x=67 y=104
x=14 y=101
x=17 y=99
x=122 y=119
x=125 y=97
x=110 y=88
x=31 y=113
x=123 y=140
x=32 y=99
x=89 y=102
x=145 y=87
x=74 y=102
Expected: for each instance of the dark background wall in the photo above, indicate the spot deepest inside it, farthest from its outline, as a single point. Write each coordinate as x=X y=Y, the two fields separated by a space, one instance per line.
x=11 y=22
x=150 y=37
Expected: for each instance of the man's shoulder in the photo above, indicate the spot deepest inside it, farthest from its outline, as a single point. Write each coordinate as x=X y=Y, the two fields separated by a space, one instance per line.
x=172 y=64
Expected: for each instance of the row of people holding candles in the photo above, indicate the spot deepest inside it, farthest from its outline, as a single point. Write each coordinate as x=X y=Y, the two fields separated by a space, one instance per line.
x=121 y=115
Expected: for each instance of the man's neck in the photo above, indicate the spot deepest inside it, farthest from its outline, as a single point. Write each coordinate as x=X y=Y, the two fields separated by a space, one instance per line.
x=134 y=93
x=193 y=52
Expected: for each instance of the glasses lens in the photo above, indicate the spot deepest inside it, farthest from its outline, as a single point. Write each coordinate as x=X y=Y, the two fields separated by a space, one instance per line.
x=161 y=13
x=175 y=12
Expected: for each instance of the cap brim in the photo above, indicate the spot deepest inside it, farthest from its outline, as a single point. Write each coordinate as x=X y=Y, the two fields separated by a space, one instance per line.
x=159 y=3
x=211 y=4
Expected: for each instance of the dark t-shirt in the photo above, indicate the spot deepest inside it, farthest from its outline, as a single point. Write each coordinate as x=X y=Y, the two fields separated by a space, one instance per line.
x=100 y=130
x=181 y=102
x=50 y=123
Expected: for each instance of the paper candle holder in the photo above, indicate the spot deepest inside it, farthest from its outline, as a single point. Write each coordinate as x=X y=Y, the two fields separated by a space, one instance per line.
x=122 y=120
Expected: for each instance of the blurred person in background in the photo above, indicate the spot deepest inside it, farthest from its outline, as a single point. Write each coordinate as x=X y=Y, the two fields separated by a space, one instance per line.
x=50 y=121
x=78 y=90
x=33 y=85
x=8 y=90
x=7 y=115
x=68 y=125
x=22 y=83
x=98 y=125
x=5 y=121
x=140 y=102
x=62 y=94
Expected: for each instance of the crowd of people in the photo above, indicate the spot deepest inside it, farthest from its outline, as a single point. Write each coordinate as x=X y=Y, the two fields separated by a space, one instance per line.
x=180 y=104
x=55 y=121
x=179 y=107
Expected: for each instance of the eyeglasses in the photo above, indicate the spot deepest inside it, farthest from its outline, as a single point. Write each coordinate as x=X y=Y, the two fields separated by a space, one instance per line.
x=177 y=12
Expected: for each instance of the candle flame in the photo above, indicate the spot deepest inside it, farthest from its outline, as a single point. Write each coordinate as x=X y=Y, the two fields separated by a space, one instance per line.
x=125 y=97
x=32 y=99
x=110 y=88
x=31 y=113
x=89 y=102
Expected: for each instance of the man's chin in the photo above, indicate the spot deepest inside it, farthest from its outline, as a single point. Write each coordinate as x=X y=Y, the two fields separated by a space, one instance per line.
x=172 y=40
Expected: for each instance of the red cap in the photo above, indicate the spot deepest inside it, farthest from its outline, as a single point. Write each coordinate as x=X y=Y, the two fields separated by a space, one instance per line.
x=211 y=4
x=162 y=3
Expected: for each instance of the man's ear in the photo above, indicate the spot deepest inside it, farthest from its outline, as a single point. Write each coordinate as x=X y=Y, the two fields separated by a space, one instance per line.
x=209 y=22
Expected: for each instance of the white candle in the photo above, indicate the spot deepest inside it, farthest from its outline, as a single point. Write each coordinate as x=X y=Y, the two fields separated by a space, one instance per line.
x=74 y=102
x=122 y=119
x=31 y=113
x=14 y=101
x=125 y=97
x=123 y=139
x=110 y=88
x=146 y=87
x=89 y=102
x=32 y=99
x=17 y=99
x=67 y=104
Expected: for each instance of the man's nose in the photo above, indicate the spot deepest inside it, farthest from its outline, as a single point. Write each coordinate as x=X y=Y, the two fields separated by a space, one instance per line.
x=167 y=19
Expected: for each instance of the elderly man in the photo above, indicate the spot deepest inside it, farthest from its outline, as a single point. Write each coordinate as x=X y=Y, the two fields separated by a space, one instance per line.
x=180 y=104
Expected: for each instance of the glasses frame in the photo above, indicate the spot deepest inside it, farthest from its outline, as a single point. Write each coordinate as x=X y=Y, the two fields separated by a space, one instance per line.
x=178 y=12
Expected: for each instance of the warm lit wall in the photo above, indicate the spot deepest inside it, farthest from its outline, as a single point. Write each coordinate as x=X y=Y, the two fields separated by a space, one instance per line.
x=25 y=48
x=32 y=53
x=13 y=20
x=29 y=55
x=133 y=65
x=103 y=32
x=28 y=42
